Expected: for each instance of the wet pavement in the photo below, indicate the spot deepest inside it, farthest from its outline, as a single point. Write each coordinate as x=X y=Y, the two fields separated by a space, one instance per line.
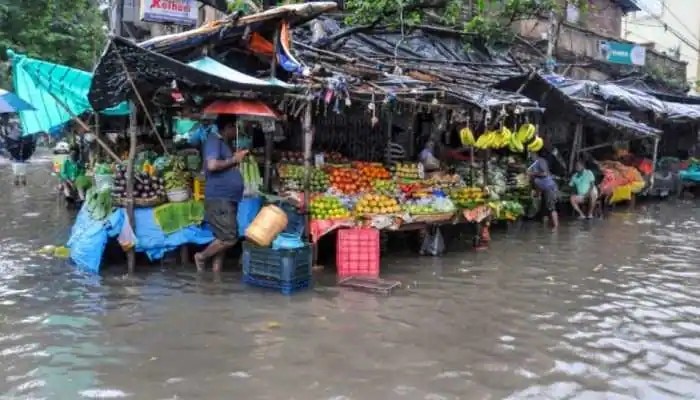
x=601 y=310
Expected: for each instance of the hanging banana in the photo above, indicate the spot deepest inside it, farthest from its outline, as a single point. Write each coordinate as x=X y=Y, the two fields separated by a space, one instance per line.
x=536 y=145
x=466 y=136
x=526 y=132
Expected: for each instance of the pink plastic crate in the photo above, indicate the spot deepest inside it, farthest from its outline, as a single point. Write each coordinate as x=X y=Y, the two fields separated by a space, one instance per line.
x=357 y=253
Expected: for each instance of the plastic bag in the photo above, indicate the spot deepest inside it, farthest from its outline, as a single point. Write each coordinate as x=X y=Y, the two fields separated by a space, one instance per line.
x=286 y=241
x=248 y=209
x=127 y=237
x=433 y=243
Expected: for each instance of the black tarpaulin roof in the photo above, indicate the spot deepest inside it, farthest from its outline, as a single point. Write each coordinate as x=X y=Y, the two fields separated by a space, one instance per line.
x=563 y=96
x=151 y=71
x=218 y=32
x=435 y=61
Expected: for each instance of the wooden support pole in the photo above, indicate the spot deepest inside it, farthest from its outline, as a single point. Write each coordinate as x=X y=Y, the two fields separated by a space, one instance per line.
x=98 y=135
x=389 y=134
x=308 y=141
x=143 y=104
x=85 y=126
x=654 y=157
x=131 y=256
x=575 y=147
x=275 y=46
x=267 y=175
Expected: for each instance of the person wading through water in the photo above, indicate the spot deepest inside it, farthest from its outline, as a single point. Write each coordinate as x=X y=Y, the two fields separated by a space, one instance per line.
x=223 y=191
x=545 y=184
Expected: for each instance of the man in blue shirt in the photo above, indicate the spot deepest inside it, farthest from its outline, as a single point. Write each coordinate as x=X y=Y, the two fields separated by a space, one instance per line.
x=545 y=184
x=223 y=191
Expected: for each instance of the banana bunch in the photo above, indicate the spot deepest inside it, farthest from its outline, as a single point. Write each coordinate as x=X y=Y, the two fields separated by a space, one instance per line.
x=495 y=139
x=536 y=145
x=98 y=203
x=466 y=136
x=526 y=132
x=515 y=145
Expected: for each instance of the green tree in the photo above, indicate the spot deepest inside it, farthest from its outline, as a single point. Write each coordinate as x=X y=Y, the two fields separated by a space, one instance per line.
x=488 y=19
x=69 y=32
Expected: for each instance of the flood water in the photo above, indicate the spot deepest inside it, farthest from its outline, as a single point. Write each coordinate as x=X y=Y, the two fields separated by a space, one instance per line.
x=601 y=310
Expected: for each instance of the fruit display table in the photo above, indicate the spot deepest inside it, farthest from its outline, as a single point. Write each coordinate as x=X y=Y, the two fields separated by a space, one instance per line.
x=363 y=194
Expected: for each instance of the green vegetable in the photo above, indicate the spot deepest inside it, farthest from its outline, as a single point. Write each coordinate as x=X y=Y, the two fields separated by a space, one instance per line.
x=98 y=204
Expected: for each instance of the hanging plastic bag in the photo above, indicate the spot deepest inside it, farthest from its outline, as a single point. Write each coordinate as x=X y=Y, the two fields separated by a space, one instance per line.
x=433 y=243
x=127 y=237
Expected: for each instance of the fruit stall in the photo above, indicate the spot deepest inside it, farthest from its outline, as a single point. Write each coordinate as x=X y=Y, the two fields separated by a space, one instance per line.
x=401 y=197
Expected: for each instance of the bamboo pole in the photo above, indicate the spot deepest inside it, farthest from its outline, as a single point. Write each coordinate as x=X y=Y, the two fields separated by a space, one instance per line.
x=308 y=140
x=654 y=157
x=98 y=134
x=275 y=46
x=267 y=177
x=389 y=134
x=85 y=127
x=131 y=256
x=143 y=104
x=575 y=147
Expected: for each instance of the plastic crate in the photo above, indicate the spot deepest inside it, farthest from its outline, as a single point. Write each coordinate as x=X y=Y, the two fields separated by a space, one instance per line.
x=283 y=265
x=357 y=253
x=370 y=285
x=286 y=288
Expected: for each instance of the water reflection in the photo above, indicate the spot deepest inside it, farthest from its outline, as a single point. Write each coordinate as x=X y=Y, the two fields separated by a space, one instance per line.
x=602 y=310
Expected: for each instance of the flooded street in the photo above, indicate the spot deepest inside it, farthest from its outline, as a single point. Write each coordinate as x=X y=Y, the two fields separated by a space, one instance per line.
x=604 y=310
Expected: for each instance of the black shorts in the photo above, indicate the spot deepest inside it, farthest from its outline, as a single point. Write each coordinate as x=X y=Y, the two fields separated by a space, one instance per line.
x=221 y=215
x=550 y=198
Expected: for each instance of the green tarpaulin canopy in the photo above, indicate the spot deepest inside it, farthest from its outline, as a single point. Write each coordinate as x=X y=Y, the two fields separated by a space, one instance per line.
x=213 y=67
x=40 y=81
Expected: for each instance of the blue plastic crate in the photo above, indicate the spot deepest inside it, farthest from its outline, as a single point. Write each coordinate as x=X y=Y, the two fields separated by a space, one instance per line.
x=285 y=288
x=285 y=265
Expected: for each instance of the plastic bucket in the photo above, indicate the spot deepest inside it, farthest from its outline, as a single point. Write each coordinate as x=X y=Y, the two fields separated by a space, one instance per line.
x=269 y=222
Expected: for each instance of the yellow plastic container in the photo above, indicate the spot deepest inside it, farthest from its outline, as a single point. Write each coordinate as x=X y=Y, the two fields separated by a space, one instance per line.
x=198 y=188
x=269 y=222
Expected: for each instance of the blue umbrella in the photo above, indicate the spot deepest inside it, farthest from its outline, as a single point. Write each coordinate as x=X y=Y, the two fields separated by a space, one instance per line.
x=10 y=103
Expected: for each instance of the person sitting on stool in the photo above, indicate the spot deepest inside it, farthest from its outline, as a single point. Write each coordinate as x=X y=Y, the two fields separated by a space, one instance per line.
x=583 y=182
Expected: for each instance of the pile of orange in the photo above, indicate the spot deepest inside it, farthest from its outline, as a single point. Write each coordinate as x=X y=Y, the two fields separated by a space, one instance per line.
x=348 y=181
x=375 y=172
x=376 y=204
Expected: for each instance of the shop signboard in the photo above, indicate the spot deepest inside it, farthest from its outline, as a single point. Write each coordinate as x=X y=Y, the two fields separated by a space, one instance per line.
x=622 y=53
x=179 y=12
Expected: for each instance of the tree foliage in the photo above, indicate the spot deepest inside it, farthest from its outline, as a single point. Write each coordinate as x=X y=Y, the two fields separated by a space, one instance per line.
x=70 y=32
x=489 y=19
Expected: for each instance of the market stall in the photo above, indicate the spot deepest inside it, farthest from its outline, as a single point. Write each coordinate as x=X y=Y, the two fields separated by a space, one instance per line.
x=332 y=128
x=585 y=125
x=151 y=195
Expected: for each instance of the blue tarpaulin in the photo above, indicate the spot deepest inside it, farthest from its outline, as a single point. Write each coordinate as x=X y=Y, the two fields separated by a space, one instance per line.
x=89 y=237
x=41 y=83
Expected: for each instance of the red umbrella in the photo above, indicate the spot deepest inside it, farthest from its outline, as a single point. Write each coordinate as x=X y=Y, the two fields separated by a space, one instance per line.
x=252 y=108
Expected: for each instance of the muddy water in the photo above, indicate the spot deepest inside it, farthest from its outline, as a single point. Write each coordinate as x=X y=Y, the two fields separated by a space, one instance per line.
x=606 y=310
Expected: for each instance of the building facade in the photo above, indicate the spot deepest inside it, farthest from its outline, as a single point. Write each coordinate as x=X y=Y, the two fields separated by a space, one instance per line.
x=589 y=43
x=671 y=27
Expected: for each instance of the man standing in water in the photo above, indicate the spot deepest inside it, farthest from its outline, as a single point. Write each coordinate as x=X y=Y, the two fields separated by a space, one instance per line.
x=583 y=183
x=545 y=184
x=223 y=191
